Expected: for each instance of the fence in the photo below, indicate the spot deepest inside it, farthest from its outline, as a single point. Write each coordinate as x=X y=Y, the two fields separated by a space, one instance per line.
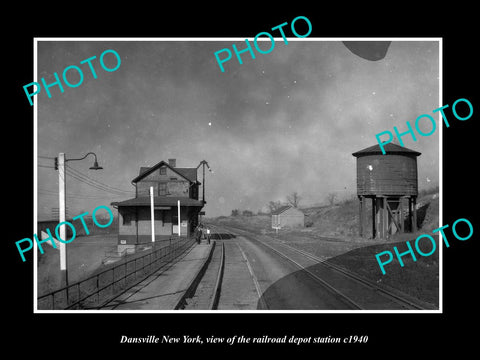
x=100 y=288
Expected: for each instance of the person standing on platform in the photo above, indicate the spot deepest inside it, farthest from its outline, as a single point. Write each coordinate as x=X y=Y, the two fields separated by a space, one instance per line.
x=198 y=233
x=208 y=235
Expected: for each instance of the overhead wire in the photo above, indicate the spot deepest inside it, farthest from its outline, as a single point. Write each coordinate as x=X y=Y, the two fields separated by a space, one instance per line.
x=94 y=183
x=51 y=192
x=88 y=180
x=79 y=176
x=112 y=192
x=98 y=187
x=76 y=196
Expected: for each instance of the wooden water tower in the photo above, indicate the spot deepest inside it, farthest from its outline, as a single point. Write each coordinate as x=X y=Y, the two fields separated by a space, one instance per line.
x=390 y=180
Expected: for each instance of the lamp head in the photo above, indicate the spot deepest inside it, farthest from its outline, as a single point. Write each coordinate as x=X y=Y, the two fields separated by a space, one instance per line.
x=95 y=166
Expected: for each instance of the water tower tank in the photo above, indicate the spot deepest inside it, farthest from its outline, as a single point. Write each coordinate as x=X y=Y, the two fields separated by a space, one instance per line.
x=388 y=180
x=392 y=174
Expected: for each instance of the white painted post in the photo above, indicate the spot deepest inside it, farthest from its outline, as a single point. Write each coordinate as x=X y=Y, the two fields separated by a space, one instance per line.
x=62 y=214
x=152 y=214
x=178 y=206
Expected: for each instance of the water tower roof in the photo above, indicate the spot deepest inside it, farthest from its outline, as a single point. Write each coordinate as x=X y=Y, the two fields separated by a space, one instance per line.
x=389 y=149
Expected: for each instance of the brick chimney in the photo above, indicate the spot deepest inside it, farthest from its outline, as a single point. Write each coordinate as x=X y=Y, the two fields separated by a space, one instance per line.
x=172 y=162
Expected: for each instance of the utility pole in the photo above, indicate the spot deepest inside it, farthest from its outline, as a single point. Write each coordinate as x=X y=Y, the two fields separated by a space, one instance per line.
x=62 y=199
x=60 y=164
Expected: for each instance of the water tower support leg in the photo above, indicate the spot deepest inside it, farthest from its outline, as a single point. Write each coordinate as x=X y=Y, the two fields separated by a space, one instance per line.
x=414 y=199
x=380 y=217
x=400 y=221
x=410 y=223
x=386 y=218
x=361 y=217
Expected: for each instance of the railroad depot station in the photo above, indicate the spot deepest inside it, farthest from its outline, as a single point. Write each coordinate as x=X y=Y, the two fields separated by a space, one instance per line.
x=170 y=185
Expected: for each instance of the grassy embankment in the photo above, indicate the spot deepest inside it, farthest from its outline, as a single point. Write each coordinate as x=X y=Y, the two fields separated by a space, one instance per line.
x=84 y=255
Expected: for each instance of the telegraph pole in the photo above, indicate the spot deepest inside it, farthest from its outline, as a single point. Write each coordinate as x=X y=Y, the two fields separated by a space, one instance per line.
x=60 y=164
x=62 y=191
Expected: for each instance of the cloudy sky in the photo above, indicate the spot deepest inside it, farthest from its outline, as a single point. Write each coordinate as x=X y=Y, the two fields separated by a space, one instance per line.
x=282 y=122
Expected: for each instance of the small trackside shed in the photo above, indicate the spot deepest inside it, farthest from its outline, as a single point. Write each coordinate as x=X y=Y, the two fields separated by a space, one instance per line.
x=287 y=216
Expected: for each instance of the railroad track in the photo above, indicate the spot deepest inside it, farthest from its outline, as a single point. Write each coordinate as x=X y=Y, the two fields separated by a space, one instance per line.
x=323 y=271
x=400 y=299
x=207 y=292
x=350 y=303
x=218 y=283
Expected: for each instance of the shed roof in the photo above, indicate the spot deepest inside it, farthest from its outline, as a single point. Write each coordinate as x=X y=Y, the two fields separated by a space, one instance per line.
x=159 y=201
x=281 y=209
x=390 y=148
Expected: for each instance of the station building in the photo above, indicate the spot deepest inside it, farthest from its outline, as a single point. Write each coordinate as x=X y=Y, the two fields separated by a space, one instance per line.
x=170 y=185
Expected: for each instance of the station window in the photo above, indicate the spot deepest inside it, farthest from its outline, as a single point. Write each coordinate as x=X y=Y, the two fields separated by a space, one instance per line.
x=127 y=219
x=162 y=189
x=163 y=171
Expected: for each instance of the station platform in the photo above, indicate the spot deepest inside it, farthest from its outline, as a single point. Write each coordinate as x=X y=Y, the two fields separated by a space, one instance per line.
x=166 y=288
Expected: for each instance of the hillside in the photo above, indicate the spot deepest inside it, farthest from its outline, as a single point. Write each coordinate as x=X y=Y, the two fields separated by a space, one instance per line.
x=336 y=221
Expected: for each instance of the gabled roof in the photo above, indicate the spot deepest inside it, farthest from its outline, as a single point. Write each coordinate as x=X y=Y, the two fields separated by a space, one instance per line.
x=281 y=209
x=188 y=173
x=389 y=148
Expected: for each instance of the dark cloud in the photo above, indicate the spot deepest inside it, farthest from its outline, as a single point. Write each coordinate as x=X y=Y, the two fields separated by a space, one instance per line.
x=285 y=121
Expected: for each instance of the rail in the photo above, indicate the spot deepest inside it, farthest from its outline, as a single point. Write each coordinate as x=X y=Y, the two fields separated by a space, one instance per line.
x=400 y=299
x=218 y=283
x=118 y=277
x=403 y=300
x=340 y=295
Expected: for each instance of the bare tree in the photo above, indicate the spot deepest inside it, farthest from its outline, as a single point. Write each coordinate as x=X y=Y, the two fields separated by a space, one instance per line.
x=294 y=199
x=331 y=198
x=274 y=205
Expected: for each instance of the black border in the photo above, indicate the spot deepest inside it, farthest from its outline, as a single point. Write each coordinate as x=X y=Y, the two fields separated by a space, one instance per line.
x=91 y=334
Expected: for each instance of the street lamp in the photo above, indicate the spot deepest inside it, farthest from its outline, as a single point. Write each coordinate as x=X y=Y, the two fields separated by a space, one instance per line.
x=62 y=199
x=204 y=162
x=95 y=163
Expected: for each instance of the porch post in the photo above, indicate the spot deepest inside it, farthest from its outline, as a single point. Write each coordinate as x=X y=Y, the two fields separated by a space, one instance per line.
x=152 y=214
